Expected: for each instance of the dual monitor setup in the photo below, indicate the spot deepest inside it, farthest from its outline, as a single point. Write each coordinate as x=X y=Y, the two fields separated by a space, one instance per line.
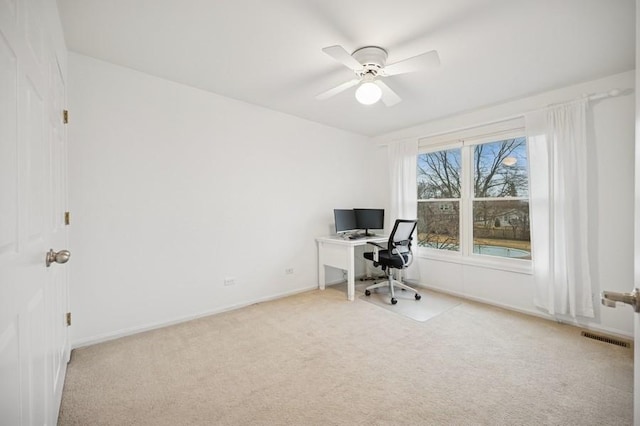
x=351 y=221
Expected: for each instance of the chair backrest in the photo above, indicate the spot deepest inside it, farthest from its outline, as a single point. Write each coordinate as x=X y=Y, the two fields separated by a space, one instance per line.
x=400 y=238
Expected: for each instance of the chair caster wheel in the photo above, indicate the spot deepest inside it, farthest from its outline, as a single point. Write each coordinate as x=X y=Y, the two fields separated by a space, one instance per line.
x=367 y=293
x=394 y=300
x=418 y=297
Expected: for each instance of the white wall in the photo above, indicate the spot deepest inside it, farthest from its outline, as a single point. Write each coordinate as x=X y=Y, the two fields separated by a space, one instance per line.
x=611 y=191
x=173 y=189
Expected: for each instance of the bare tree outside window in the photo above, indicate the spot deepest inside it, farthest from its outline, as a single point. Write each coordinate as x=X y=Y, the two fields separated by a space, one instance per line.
x=499 y=198
x=439 y=175
x=500 y=169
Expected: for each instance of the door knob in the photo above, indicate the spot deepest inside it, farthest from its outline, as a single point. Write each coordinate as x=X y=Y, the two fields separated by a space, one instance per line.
x=60 y=257
x=609 y=298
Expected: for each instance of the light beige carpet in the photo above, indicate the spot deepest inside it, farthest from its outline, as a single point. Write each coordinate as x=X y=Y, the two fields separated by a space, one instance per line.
x=317 y=359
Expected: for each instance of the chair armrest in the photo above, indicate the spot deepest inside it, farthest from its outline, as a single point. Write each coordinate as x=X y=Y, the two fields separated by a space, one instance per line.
x=376 y=249
x=401 y=251
x=376 y=244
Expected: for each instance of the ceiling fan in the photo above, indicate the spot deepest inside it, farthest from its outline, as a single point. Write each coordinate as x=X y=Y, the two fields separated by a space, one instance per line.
x=369 y=65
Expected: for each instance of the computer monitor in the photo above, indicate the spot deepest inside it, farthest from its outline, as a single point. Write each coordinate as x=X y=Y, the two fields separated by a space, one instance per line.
x=345 y=220
x=369 y=219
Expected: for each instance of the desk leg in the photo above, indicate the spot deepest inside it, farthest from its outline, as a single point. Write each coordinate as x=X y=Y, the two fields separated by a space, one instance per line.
x=321 y=269
x=351 y=285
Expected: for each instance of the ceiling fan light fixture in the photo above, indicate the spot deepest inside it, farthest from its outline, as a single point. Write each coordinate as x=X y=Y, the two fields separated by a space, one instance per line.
x=368 y=93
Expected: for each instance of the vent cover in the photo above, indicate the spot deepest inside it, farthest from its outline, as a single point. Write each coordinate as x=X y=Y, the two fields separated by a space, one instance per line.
x=606 y=339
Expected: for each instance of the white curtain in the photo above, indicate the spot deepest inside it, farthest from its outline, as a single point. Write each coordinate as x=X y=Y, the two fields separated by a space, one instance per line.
x=402 y=157
x=558 y=183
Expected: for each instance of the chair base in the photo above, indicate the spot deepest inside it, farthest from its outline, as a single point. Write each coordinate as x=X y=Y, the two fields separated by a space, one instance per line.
x=391 y=283
x=371 y=278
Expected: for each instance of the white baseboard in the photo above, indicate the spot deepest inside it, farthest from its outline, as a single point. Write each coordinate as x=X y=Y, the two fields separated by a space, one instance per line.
x=587 y=325
x=139 y=329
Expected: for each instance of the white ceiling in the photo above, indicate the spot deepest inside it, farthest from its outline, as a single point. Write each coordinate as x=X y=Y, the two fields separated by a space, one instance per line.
x=269 y=53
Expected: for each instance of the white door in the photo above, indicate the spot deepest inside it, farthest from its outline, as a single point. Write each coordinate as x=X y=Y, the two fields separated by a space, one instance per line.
x=633 y=297
x=56 y=291
x=34 y=344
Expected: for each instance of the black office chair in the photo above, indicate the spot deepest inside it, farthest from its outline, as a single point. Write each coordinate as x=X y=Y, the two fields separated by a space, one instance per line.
x=397 y=255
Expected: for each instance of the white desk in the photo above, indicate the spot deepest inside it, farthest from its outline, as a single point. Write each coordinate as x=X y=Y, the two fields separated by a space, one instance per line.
x=340 y=253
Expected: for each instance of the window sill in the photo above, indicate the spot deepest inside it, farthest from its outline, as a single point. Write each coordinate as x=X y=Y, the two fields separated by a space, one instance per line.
x=482 y=261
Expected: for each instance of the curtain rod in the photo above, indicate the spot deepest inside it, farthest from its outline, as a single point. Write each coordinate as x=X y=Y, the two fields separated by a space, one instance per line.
x=592 y=97
x=610 y=94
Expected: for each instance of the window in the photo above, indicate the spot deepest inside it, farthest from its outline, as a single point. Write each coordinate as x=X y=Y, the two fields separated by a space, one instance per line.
x=501 y=199
x=439 y=184
x=473 y=197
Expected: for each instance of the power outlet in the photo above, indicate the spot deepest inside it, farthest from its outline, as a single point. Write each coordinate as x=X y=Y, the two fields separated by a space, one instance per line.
x=288 y=271
x=229 y=281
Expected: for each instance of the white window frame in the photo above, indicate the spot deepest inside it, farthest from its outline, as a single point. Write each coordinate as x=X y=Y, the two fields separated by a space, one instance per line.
x=465 y=140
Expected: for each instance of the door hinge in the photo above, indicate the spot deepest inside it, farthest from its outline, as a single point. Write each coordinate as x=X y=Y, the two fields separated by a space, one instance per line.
x=67 y=218
x=65 y=116
x=68 y=319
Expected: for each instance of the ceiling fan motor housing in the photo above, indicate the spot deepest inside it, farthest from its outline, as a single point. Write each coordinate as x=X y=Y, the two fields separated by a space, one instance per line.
x=370 y=64
x=372 y=58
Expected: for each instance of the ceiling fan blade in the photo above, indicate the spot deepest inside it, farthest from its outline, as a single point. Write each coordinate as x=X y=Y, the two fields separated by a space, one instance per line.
x=415 y=63
x=340 y=88
x=389 y=97
x=339 y=54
